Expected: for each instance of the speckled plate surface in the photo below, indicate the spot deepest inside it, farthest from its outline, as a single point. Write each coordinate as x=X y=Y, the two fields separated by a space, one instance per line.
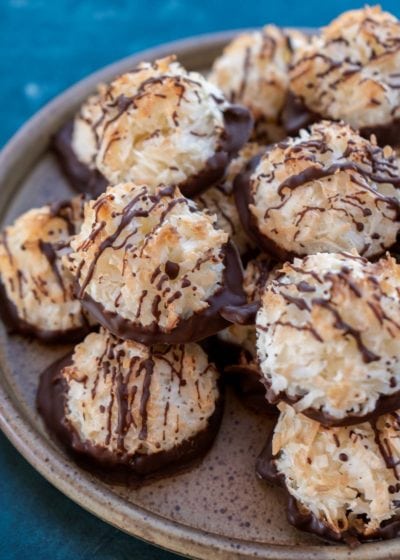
x=218 y=510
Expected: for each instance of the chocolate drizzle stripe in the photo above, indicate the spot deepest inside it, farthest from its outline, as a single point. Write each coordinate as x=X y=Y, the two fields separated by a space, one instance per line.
x=48 y=251
x=148 y=365
x=367 y=354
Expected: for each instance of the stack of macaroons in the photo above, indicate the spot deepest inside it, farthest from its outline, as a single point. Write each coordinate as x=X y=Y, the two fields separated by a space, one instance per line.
x=181 y=203
x=157 y=273
x=328 y=346
x=152 y=267
x=326 y=204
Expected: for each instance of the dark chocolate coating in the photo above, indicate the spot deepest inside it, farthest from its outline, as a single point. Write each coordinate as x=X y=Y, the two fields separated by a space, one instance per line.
x=385 y=404
x=386 y=134
x=238 y=124
x=82 y=178
x=296 y=115
x=200 y=325
x=306 y=520
x=240 y=371
x=221 y=353
x=242 y=315
x=16 y=325
x=115 y=467
x=247 y=382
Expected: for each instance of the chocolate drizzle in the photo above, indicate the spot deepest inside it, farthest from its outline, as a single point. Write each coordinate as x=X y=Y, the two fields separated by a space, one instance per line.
x=148 y=365
x=48 y=251
x=172 y=269
x=367 y=355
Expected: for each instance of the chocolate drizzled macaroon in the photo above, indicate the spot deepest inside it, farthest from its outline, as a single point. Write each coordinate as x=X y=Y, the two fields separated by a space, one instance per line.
x=130 y=408
x=350 y=72
x=37 y=295
x=237 y=343
x=343 y=484
x=158 y=124
x=152 y=267
x=219 y=200
x=328 y=334
x=254 y=70
x=326 y=190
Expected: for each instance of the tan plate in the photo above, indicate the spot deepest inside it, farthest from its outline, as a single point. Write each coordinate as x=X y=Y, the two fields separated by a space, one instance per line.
x=219 y=510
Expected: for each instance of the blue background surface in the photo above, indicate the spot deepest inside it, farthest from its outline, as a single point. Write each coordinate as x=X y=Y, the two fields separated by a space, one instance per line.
x=45 y=46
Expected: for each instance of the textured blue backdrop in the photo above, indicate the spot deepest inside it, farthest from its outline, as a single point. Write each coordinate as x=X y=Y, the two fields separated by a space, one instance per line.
x=45 y=46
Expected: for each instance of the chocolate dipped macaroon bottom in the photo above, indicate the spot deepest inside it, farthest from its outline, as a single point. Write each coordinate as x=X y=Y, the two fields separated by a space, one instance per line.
x=197 y=327
x=342 y=483
x=141 y=414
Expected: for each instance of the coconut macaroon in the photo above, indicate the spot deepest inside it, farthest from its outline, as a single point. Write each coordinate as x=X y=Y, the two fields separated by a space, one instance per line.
x=350 y=72
x=129 y=406
x=342 y=483
x=254 y=70
x=219 y=200
x=326 y=190
x=158 y=124
x=36 y=290
x=152 y=267
x=328 y=334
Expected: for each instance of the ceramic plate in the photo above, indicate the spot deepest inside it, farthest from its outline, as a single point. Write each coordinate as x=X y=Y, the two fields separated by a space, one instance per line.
x=219 y=509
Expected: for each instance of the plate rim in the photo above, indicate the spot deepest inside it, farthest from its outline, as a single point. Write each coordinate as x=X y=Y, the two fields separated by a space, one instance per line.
x=92 y=496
